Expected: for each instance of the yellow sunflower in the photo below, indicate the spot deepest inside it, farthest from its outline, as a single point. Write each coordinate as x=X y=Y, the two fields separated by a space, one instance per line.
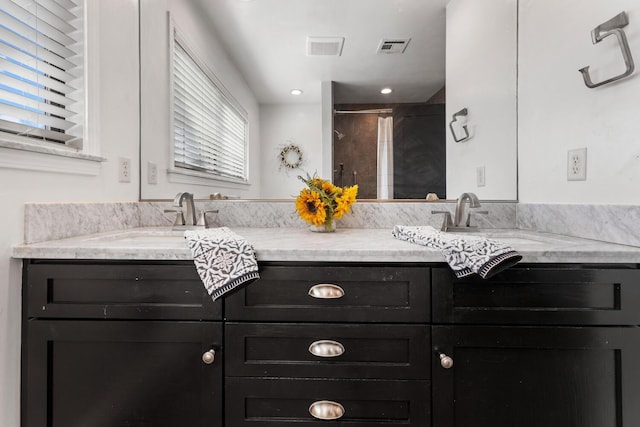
x=344 y=201
x=310 y=207
x=322 y=201
x=329 y=189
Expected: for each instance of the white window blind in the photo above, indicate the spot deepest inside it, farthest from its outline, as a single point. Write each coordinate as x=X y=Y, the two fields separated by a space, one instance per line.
x=209 y=128
x=41 y=70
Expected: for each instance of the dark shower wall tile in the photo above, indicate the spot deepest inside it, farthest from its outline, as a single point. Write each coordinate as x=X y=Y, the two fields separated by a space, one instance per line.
x=419 y=150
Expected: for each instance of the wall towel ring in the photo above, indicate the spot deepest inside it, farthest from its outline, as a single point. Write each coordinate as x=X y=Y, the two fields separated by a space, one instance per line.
x=462 y=112
x=612 y=26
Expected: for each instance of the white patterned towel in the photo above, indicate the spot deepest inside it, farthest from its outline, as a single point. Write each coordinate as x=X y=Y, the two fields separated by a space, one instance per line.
x=223 y=259
x=464 y=254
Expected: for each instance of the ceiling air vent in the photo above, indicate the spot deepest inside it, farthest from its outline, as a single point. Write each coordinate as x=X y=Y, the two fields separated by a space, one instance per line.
x=393 y=45
x=327 y=46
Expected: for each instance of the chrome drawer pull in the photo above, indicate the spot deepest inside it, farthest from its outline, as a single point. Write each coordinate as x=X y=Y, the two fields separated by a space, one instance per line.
x=326 y=348
x=326 y=291
x=326 y=410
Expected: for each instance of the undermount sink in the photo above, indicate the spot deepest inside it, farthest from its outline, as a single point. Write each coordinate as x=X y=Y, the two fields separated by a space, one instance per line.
x=508 y=236
x=141 y=236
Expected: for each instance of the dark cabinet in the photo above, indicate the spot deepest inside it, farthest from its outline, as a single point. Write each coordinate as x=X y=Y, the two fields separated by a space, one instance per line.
x=140 y=343
x=121 y=373
x=347 y=345
x=104 y=346
x=533 y=347
x=536 y=376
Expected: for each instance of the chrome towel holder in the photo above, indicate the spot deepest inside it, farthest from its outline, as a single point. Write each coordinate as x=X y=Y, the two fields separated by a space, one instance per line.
x=612 y=27
x=454 y=118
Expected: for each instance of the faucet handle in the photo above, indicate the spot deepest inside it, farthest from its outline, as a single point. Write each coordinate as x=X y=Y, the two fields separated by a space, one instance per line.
x=202 y=220
x=475 y=212
x=446 y=222
x=179 y=219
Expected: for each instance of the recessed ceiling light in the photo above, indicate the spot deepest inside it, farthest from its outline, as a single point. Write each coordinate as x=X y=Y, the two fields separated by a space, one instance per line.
x=386 y=91
x=296 y=92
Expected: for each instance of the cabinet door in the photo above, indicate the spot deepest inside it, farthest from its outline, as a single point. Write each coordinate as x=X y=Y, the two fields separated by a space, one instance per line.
x=115 y=374
x=536 y=376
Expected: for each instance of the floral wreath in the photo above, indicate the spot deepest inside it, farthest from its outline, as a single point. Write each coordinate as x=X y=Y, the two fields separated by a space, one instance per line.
x=291 y=156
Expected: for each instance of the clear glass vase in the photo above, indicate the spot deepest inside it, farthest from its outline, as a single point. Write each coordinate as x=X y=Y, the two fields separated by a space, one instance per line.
x=329 y=226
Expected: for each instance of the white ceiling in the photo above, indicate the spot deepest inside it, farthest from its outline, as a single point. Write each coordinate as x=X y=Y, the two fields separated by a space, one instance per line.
x=266 y=39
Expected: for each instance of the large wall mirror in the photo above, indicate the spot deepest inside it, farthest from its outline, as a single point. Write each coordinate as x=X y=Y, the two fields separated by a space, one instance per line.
x=440 y=58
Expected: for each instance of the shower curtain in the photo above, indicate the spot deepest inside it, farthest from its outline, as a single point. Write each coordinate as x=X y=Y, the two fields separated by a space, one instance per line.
x=385 y=158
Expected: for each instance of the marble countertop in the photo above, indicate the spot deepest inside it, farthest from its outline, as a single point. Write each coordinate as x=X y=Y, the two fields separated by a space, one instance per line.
x=299 y=244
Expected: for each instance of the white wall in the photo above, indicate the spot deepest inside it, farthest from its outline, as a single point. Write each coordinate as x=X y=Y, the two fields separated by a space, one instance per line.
x=300 y=124
x=481 y=76
x=192 y=23
x=116 y=55
x=557 y=112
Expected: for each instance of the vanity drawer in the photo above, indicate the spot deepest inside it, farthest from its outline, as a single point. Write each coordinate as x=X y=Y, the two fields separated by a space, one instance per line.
x=105 y=290
x=334 y=293
x=281 y=402
x=561 y=295
x=339 y=351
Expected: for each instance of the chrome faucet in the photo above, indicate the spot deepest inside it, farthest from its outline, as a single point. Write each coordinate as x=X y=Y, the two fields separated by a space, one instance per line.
x=191 y=210
x=459 y=215
x=457 y=223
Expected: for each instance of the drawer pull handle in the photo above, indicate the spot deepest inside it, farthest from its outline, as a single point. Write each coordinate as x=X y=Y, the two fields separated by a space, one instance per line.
x=326 y=348
x=326 y=291
x=209 y=356
x=445 y=361
x=326 y=410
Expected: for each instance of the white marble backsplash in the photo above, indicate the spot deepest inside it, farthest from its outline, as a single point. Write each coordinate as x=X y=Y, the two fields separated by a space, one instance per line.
x=279 y=213
x=607 y=223
x=52 y=221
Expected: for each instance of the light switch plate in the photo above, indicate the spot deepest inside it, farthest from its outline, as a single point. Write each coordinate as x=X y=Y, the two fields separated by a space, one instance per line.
x=480 y=178
x=152 y=173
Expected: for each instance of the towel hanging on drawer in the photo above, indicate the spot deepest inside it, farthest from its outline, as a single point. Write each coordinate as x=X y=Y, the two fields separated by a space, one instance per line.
x=223 y=259
x=464 y=254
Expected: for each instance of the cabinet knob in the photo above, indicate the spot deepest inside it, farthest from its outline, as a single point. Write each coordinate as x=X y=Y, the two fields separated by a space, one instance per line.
x=209 y=356
x=326 y=291
x=326 y=410
x=445 y=361
x=326 y=348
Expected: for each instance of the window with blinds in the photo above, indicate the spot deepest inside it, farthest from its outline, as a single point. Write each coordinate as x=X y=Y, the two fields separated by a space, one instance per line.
x=41 y=71
x=209 y=127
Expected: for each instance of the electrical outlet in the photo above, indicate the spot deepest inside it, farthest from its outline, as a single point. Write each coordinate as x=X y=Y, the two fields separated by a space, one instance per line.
x=124 y=169
x=152 y=173
x=480 y=176
x=577 y=165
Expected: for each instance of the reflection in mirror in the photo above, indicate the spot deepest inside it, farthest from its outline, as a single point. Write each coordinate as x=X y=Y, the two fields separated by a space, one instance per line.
x=405 y=162
x=481 y=77
x=257 y=50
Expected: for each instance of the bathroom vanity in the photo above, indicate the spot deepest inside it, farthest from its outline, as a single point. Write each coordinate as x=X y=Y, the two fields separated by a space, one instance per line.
x=119 y=335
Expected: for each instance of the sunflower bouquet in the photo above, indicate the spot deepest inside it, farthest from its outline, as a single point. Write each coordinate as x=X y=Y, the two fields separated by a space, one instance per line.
x=322 y=202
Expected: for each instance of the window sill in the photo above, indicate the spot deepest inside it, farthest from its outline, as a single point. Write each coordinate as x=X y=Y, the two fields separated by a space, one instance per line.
x=25 y=156
x=185 y=176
